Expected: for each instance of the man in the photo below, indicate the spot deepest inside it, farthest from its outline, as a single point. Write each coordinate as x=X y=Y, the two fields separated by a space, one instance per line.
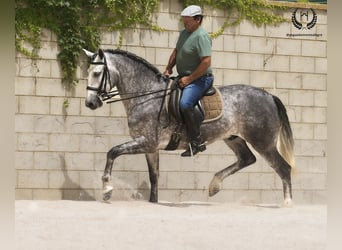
x=192 y=57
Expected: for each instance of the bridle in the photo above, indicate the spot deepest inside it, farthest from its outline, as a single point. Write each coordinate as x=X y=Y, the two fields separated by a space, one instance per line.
x=102 y=89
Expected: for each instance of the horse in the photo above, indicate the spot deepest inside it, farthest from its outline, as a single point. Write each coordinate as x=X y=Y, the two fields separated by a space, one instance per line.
x=250 y=114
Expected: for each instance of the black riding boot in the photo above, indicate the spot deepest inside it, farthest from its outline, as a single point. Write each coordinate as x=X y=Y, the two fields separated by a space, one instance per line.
x=193 y=128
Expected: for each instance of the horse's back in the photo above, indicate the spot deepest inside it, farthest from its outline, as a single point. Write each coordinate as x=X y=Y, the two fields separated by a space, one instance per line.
x=249 y=111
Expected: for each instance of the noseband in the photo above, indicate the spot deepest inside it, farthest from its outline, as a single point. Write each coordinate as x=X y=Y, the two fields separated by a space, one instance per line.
x=102 y=89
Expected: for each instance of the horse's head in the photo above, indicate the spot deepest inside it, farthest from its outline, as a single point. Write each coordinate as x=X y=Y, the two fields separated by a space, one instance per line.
x=100 y=79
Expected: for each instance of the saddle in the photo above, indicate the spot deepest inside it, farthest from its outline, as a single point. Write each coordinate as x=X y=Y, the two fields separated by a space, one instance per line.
x=208 y=109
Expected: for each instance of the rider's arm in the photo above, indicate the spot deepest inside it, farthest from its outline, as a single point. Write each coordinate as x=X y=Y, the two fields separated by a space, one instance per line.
x=171 y=63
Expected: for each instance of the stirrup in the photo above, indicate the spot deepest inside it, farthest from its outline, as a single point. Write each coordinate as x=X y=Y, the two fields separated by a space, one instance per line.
x=193 y=150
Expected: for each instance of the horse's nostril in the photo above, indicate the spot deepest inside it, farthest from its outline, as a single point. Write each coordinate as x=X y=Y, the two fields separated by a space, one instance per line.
x=90 y=105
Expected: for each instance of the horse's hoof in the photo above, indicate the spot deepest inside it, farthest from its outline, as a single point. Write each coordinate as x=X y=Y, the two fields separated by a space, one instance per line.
x=288 y=203
x=107 y=193
x=215 y=186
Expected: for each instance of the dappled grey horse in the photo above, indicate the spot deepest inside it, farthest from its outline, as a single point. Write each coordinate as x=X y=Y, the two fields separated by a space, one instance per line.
x=249 y=115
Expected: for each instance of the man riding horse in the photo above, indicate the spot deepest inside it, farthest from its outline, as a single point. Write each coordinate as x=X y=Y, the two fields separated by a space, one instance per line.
x=192 y=57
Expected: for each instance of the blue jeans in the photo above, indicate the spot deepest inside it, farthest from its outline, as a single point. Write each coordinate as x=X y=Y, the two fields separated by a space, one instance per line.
x=193 y=92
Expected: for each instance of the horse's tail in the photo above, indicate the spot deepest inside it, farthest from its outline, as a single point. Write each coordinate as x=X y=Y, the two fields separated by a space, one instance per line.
x=285 y=142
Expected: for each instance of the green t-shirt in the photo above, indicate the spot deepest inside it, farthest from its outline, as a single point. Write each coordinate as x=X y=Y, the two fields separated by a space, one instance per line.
x=190 y=48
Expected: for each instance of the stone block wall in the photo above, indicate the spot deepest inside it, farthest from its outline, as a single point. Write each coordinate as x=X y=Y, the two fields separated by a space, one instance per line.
x=60 y=152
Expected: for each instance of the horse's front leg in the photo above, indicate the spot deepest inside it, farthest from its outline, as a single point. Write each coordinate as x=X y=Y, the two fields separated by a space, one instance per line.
x=131 y=147
x=153 y=169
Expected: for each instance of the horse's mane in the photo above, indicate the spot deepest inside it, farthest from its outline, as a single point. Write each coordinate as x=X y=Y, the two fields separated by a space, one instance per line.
x=135 y=58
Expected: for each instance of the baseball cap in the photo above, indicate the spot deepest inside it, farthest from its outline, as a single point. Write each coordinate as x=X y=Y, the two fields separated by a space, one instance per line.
x=192 y=10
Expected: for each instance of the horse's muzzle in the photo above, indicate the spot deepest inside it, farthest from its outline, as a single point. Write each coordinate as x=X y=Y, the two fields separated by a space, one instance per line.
x=93 y=103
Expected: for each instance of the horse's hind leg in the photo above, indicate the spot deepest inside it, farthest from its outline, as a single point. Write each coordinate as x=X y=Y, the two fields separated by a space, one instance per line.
x=153 y=169
x=283 y=169
x=244 y=156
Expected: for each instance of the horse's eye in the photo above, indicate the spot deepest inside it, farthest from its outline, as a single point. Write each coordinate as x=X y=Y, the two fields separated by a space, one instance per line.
x=97 y=73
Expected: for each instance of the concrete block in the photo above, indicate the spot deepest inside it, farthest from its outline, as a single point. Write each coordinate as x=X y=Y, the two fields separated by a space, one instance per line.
x=79 y=194
x=79 y=161
x=64 y=142
x=247 y=196
x=261 y=181
x=272 y=197
x=162 y=56
x=263 y=79
x=294 y=114
x=64 y=179
x=289 y=47
x=310 y=148
x=278 y=31
x=80 y=125
x=315 y=81
x=49 y=124
x=301 y=98
x=302 y=131
x=24 y=160
x=49 y=161
x=309 y=181
x=322 y=31
x=32 y=142
x=94 y=143
x=314 y=48
x=57 y=106
x=32 y=179
x=249 y=29
x=169 y=162
x=236 y=181
x=55 y=69
x=193 y=195
x=181 y=180
x=321 y=65
x=302 y=64
x=288 y=80
x=48 y=50
x=224 y=60
x=320 y=132
x=154 y=39
x=136 y=163
x=250 y=61
x=263 y=45
x=276 y=63
x=50 y=87
x=24 y=123
x=90 y=180
x=26 y=67
x=24 y=86
x=167 y=195
x=224 y=196
x=47 y=194
x=243 y=44
x=118 y=110
x=199 y=163
x=236 y=77
x=218 y=43
x=314 y=115
x=229 y=43
x=320 y=98
x=202 y=181
x=169 y=21
x=34 y=105
x=43 y=68
x=23 y=194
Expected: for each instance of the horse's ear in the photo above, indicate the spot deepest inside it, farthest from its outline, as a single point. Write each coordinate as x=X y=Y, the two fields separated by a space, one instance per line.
x=88 y=53
x=101 y=53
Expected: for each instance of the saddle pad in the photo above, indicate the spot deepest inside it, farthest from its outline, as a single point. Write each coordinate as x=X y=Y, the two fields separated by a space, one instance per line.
x=213 y=106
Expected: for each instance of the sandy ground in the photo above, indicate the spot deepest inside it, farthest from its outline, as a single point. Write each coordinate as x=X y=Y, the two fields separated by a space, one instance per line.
x=126 y=225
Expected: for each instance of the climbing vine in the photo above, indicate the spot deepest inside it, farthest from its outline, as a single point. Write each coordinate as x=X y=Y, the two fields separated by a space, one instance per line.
x=77 y=24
